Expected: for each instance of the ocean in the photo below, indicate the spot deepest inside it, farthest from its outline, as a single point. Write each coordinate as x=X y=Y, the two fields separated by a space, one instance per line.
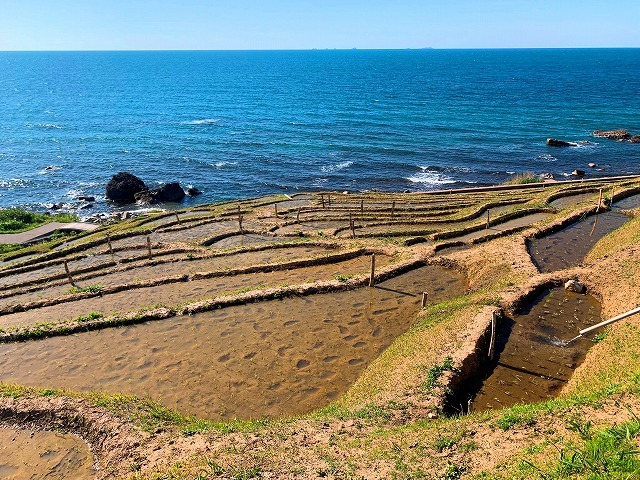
x=246 y=123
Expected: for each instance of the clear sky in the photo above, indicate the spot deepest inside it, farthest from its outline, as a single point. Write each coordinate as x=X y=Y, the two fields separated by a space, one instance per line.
x=305 y=24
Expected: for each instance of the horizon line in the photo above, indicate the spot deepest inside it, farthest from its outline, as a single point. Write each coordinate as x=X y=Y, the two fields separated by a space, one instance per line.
x=312 y=49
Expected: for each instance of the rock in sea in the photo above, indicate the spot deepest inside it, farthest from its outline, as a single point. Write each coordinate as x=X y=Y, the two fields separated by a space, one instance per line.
x=171 y=192
x=554 y=142
x=613 y=134
x=123 y=186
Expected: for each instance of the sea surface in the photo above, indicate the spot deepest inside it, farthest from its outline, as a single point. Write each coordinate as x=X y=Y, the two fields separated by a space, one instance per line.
x=238 y=124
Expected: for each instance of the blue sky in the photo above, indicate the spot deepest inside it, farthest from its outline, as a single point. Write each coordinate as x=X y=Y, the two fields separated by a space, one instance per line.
x=305 y=24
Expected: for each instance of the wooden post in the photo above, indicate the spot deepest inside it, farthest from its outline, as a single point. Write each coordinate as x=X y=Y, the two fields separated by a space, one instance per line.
x=240 y=224
x=109 y=243
x=492 y=341
x=298 y=215
x=372 y=278
x=329 y=199
x=275 y=206
x=322 y=198
x=613 y=192
x=599 y=201
x=178 y=219
x=361 y=207
x=352 y=226
x=393 y=209
x=488 y=219
x=66 y=269
x=149 y=247
x=424 y=299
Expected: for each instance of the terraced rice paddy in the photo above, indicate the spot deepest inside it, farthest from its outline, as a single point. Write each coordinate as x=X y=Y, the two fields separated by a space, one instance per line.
x=263 y=359
x=280 y=349
x=569 y=246
x=533 y=358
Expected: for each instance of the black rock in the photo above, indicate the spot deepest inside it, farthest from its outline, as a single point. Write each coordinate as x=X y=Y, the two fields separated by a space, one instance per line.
x=87 y=198
x=123 y=186
x=86 y=206
x=554 y=142
x=193 y=191
x=171 y=192
x=578 y=173
x=57 y=206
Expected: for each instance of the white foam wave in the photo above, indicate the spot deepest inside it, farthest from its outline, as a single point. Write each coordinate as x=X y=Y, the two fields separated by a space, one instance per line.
x=431 y=178
x=51 y=126
x=202 y=121
x=336 y=167
x=14 y=183
x=223 y=164
x=546 y=157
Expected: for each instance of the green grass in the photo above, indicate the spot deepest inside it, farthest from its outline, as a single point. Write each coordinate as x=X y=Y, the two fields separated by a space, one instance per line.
x=435 y=372
x=88 y=288
x=524 y=178
x=16 y=220
x=610 y=453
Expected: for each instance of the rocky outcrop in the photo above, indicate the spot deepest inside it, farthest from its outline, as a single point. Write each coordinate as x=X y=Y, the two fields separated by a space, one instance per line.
x=612 y=134
x=123 y=187
x=635 y=139
x=193 y=191
x=171 y=192
x=554 y=142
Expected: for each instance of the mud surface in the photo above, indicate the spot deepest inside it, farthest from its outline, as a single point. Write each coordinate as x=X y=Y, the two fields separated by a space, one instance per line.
x=181 y=266
x=272 y=359
x=515 y=223
x=534 y=360
x=171 y=294
x=568 y=247
x=35 y=455
x=572 y=200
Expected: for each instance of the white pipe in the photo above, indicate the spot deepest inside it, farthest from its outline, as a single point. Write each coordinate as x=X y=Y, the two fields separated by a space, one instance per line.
x=611 y=320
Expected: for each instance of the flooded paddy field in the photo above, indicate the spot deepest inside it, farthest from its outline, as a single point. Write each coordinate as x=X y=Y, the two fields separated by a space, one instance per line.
x=569 y=246
x=628 y=203
x=524 y=221
x=26 y=454
x=272 y=359
x=180 y=265
x=183 y=292
x=533 y=358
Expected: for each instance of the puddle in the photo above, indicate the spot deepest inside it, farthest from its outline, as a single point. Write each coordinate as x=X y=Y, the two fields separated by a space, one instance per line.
x=533 y=361
x=185 y=292
x=276 y=358
x=628 y=203
x=27 y=454
x=568 y=247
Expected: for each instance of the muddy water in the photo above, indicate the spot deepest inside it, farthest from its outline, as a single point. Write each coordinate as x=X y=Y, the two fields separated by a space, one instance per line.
x=34 y=455
x=184 y=292
x=182 y=267
x=573 y=200
x=533 y=363
x=248 y=239
x=569 y=246
x=628 y=203
x=515 y=223
x=274 y=358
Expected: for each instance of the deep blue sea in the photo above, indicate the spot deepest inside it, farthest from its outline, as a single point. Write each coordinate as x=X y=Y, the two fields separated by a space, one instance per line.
x=238 y=124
